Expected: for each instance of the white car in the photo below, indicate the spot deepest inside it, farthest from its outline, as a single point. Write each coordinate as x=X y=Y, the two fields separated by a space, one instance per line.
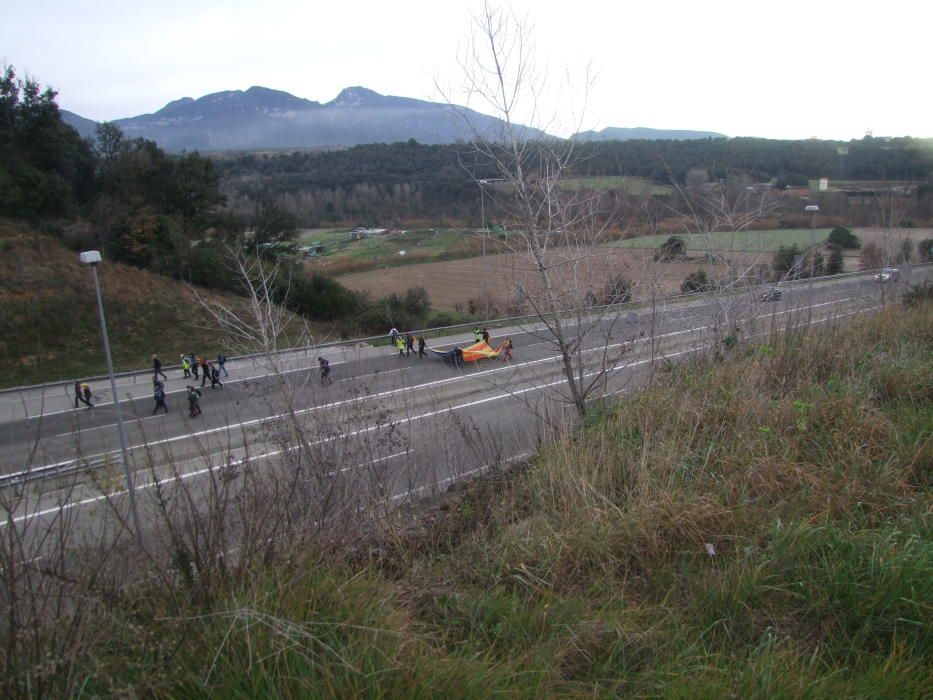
x=888 y=274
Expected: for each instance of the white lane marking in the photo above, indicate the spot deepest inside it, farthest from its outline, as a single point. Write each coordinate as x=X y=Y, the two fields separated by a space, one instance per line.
x=418 y=387
x=112 y=425
x=181 y=477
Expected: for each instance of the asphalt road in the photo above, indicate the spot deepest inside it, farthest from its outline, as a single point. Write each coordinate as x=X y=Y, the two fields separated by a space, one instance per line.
x=401 y=426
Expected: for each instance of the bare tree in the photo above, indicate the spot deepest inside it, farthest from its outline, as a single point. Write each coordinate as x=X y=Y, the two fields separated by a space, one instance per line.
x=555 y=231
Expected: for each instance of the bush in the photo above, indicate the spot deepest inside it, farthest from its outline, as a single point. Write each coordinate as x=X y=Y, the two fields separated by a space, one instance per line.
x=618 y=291
x=673 y=248
x=844 y=238
x=925 y=250
x=696 y=282
x=784 y=259
x=319 y=297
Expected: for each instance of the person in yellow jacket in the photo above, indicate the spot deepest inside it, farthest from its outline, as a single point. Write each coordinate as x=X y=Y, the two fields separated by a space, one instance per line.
x=400 y=344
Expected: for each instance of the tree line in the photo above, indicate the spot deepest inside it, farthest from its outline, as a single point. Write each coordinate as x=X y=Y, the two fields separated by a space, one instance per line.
x=408 y=181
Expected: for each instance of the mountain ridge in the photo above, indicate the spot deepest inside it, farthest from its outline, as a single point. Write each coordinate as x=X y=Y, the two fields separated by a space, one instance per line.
x=265 y=118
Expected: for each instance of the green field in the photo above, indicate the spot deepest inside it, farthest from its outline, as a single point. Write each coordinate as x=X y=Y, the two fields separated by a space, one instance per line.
x=752 y=241
x=630 y=185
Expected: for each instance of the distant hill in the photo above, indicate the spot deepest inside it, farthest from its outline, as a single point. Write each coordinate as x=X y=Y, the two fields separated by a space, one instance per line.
x=260 y=118
x=615 y=133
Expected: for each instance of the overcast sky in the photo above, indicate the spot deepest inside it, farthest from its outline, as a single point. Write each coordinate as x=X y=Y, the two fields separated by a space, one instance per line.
x=787 y=69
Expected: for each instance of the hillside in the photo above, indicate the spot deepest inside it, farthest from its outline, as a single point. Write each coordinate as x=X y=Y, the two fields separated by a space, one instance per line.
x=49 y=328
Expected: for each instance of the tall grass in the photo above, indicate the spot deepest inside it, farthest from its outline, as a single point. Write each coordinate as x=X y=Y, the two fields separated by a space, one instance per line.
x=757 y=527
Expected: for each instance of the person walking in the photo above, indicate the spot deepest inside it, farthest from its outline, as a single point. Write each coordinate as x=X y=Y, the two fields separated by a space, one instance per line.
x=194 y=399
x=158 y=393
x=507 y=350
x=400 y=344
x=393 y=334
x=458 y=357
x=157 y=368
x=86 y=390
x=409 y=344
x=421 y=352
x=325 y=371
x=79 y=395
x=215 y=377
x=222 y=363
x=185 y=366
x=486 y=336
x=205 y=370
x=477 y=335
x=195 y=365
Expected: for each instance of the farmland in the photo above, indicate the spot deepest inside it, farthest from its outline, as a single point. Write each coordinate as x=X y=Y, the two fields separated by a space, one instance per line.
x=750 y=241
x=453 y=284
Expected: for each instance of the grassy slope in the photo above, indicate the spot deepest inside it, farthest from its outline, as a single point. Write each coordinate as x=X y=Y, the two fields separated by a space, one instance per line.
x=49 y=328
x=804 y=463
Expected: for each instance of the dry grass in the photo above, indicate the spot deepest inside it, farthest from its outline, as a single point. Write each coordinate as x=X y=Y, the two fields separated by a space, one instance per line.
x=49 y=328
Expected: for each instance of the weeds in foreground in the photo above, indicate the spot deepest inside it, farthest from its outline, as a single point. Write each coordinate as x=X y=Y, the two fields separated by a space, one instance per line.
x=754 y=528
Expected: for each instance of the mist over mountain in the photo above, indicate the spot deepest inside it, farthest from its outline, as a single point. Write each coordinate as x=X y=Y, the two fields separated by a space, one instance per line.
x=614 y=133
x=261 y=118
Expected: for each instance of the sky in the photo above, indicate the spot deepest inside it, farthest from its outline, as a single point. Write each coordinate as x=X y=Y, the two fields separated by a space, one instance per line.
x=785 y=69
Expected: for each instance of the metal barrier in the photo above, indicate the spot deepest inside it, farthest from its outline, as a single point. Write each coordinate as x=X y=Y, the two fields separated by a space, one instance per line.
x=497 y=323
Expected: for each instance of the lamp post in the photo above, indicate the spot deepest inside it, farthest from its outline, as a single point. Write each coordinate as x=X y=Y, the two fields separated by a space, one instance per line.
x=814 y=210
x=482 y=209
x=92 y=258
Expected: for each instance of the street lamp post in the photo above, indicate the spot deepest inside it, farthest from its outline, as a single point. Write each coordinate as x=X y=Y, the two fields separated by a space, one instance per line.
x=814 y=210
x=482 y=209
x=92 y=258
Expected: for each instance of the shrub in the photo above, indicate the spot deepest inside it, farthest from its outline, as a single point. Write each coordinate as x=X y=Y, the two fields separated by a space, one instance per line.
x=696 y=282
x=835 y=263
x=844 y=238
x=672 y=249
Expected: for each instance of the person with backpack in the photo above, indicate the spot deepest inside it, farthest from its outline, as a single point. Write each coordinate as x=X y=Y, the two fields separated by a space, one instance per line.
x=194 y=398
x=206 y=370
x=86 y=390
x=158 y=393
x=79 y=395
x=325 y=371
x=215 y=377
x=157 y=368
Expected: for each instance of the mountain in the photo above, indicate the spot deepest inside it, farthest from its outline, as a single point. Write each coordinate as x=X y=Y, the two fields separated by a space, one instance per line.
x=260 y=118
x=85 y=127
x=615 y=133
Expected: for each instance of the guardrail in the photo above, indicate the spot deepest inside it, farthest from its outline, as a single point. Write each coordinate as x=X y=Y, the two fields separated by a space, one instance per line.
x=59 y=469
x=496 y=323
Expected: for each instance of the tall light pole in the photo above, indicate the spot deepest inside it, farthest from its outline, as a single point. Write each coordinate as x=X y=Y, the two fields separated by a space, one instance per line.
x=482 y=209
x=92 y=258
x=814 y=210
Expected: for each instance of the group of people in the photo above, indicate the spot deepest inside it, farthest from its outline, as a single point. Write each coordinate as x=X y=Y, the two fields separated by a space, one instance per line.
x=192 y=365
x=406 y=344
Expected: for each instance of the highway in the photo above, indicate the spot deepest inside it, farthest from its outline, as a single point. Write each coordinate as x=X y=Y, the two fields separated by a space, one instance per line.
x=387 y=427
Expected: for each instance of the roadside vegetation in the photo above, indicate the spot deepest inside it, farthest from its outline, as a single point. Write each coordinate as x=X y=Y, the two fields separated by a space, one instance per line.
x=755 y=525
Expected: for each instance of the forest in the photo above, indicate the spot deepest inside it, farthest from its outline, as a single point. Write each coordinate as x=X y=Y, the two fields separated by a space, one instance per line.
x=402 y=182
